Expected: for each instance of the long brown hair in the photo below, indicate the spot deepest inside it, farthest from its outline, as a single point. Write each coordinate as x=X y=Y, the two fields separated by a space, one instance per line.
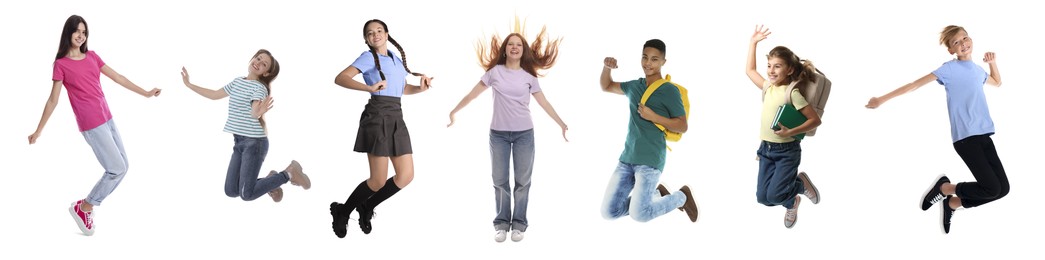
x=267 y=78
x=539 y=57
x=71 y=25
x=803 y=70
x=402 y=54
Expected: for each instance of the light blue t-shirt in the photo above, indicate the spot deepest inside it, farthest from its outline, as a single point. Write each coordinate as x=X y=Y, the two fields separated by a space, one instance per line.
x=391 y=65
x=966 y=103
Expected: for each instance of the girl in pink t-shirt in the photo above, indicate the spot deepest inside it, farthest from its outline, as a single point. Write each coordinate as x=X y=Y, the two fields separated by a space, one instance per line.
x=79 y=71
x=511 y=70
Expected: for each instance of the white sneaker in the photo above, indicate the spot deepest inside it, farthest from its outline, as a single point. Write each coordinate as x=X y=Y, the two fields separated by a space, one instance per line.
x=517 y=235
x=500 y=236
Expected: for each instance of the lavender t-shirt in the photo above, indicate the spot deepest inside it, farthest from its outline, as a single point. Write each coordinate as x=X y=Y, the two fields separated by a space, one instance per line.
x=511 y=97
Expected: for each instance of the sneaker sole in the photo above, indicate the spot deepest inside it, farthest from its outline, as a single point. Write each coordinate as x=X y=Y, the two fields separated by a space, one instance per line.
x=307 y=183
x=798 y=201
x=811 y=185
x=690 y=201
x=79 y=222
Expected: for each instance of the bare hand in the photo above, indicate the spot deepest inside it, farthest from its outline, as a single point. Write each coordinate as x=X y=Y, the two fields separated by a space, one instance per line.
x=152 y=93
x=33 y=137
x=761 y=33
x=647 y=113
x=874 y=102
x=610 y=62
x=185 y=76
x=379 y=86
x=564 y=128
x=426 y=82
x=264 y=106
x=988 y=57
x=451 y=120
x=784 y=131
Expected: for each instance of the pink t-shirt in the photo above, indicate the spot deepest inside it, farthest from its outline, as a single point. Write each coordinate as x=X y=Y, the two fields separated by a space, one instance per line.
x=82 y=80
x=511 y=97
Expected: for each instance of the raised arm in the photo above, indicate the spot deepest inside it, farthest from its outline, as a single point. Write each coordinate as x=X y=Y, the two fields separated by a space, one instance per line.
x=995 y=78
x=212 y=94
x=478 y=89
x=752 y=72
x=345 y=79
x=426 y=83
x=606 y=81
x=123 y=81
x=539 y=96
x=878 y=101
x=52 y=101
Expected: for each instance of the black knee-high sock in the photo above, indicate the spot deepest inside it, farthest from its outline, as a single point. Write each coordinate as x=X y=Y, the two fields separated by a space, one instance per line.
x=360 y=195
x=381 y=195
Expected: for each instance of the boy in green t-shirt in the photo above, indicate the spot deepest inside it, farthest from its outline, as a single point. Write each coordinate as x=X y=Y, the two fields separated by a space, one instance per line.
x=645 y=148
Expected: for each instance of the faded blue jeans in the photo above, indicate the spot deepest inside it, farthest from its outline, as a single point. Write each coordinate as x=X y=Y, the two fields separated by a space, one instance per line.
x=107 y=145
x=519 y=146
x=242 y=177
x=633 y=191
x=778 y=181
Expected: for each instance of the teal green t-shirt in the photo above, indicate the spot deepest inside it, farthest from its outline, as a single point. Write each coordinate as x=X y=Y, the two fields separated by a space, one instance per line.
x=645 y=143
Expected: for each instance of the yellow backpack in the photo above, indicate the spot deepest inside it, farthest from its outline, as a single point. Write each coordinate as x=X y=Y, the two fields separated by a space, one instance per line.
x=668 y=135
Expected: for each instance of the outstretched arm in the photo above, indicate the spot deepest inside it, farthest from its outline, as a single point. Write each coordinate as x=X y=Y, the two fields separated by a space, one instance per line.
x=878 y=101
x=212 y=94
x=52 y=101
x=606 y=81
x=995 y=78
x=539 y=96
x=478 y=89
x=123 y=81
x=752 y=73
x=345 y=79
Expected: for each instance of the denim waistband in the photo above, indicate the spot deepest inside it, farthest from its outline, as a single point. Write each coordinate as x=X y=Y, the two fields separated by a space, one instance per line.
x=788 y=145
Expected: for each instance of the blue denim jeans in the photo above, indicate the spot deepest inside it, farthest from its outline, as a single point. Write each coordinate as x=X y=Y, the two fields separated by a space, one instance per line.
x=778 y=181
x=633 y=191
x=107 y=145
x=519 y=146
x=242 y=178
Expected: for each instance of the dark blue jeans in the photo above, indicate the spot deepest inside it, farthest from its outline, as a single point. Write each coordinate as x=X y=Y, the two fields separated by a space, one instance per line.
x=778 y=181
x=242 y=178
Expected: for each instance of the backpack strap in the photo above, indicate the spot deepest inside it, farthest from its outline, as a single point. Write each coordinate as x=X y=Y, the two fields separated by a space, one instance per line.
x=653 y=87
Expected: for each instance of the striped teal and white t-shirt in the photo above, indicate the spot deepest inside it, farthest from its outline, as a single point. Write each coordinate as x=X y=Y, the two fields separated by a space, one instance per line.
x=241 y=93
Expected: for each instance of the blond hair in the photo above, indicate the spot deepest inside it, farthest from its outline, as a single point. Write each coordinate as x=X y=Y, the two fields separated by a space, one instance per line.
x=949 y=32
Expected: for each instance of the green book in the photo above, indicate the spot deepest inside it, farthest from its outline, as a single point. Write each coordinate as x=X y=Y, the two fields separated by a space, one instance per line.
x=790 y=117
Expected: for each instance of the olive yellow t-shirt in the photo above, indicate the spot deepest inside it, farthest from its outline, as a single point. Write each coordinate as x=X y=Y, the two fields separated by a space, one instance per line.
x=773 y=99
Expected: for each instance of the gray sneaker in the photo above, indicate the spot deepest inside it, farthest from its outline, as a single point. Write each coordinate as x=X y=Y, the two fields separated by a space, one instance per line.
x=791 y=216
x=811 y=192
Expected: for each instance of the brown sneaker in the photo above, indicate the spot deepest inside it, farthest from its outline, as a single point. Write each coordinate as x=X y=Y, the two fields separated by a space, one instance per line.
x=276 y=194
x=297 y=176
x=664 y=192
x=811 y=192
x=690 y=207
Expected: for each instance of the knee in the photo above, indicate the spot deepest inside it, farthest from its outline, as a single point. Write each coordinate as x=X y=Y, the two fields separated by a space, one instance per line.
x=231 y=192
x=776 y=199
x=611 y=213
x=117 y=170
x=375 y=184
x=401 y=180
x=641 y=214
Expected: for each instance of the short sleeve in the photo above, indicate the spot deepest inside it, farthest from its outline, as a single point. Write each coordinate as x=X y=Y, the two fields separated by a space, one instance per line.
x=59 y=73
x=96 y=58
x=535 y=86
x=488 y=77
x=258 y=92
x=228 y=87
x=365 y=62
x=943 y=74
x=798 y=100
x=672 y=100
x=630 y=86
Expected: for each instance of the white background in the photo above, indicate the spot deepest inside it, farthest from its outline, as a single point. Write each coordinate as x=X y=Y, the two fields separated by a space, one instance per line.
x=872 y=166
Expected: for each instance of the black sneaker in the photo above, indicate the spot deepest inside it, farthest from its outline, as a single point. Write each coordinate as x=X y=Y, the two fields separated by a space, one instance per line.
x=340 y=223
x=934 y=194
x=365 y=214
x=947 y=213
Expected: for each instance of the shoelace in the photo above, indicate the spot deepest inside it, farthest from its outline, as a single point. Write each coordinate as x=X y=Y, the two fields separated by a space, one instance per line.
x=90 y=219
x=791 y=214
x=937 y=198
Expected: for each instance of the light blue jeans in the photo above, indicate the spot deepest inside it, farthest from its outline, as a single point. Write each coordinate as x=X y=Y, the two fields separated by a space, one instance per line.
x=633 y=191
x=519 y=146
x=108 y=147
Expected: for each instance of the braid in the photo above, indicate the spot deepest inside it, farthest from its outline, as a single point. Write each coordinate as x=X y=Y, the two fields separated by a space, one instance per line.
x=377 y=62
x=402 y=55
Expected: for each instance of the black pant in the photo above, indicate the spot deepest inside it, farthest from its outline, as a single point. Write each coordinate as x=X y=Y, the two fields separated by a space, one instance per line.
x=982 y=159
